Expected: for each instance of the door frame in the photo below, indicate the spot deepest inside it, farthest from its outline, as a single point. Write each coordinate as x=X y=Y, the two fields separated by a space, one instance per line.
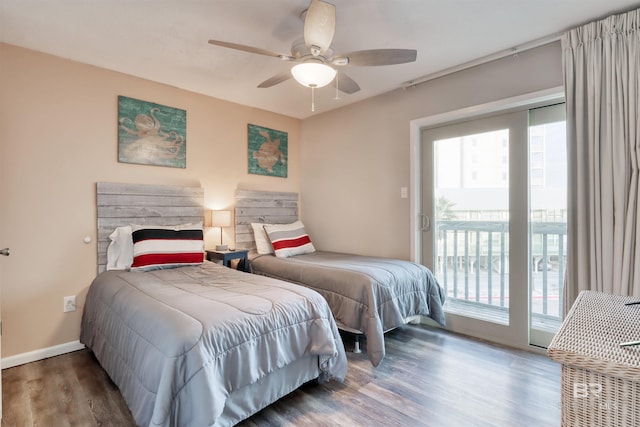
x=551 y=95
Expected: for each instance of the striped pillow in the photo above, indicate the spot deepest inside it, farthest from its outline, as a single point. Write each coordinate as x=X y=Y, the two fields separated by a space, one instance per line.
x=160 y=247
x=289 y=239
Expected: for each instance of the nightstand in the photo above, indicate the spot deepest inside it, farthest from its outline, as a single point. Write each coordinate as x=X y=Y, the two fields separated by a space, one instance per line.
x=227 y=256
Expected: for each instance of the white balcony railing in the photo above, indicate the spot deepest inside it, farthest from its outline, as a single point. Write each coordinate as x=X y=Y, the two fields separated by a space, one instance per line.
x=473 y=264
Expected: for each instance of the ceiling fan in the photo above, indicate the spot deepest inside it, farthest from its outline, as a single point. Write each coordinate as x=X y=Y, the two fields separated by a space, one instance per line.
x=315 y=56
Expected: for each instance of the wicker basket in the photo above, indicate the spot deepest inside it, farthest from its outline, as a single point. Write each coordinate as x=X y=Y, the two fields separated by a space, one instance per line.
x=600 y=379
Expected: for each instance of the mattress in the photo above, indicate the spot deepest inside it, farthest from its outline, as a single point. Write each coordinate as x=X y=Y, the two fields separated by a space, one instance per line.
x=368 y=294
x=181 y=343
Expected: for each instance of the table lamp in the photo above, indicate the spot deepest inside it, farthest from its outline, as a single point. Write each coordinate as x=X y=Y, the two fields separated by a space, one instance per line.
x=221 y=219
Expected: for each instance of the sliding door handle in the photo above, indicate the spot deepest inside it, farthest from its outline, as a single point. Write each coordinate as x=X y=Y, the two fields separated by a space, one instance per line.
x=425 y=222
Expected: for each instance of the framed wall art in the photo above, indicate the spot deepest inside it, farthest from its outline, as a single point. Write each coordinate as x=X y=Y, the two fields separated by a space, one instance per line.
x=268 y=151
x=151 y=134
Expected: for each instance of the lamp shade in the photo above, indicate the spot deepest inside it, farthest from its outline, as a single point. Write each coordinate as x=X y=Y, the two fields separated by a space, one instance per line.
x=313 y=74
x=220 y=218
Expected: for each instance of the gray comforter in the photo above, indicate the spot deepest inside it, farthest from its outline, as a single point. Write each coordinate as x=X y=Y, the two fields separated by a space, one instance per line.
x=178 y=342
x=366 y=294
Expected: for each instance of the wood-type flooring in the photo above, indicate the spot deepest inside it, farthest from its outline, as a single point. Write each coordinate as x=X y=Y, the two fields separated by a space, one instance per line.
x=429 y=377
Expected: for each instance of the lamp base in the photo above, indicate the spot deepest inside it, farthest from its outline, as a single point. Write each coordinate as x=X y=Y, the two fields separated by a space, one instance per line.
x=222 y=248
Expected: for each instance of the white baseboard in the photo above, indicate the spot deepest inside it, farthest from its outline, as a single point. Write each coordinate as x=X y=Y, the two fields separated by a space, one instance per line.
x=43 y=353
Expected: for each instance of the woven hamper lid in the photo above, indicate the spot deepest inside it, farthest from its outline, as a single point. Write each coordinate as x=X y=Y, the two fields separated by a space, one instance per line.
x=591 y=334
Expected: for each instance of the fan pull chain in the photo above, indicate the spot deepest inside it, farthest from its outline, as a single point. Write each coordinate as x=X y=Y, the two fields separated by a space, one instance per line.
x=313 y=99
x=337 y=87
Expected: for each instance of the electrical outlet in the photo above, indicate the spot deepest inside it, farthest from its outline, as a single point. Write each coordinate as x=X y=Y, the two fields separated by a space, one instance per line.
x=69 y=304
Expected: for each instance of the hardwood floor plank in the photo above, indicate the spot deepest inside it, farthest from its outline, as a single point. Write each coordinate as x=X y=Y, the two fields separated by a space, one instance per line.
x=102 y=397
x=16 y=404
x=53 y=391
x=429 y=377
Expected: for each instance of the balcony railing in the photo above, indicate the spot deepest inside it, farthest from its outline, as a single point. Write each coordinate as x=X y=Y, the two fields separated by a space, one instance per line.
x=473 y=264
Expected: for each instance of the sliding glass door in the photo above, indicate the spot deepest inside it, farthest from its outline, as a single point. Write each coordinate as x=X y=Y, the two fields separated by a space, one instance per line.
x=547 y=220
x=490 y=246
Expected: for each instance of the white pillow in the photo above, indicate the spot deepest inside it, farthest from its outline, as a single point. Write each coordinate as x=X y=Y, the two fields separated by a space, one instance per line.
x=120 y=250
x=289 y=239
x=263 y=244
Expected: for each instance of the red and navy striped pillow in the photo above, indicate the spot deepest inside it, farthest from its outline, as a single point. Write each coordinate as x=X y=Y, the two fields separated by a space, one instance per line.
x=159 y=247
x=289 y=239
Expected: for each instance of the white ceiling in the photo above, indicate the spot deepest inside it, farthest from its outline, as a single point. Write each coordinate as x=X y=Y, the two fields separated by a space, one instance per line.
x=166 y=41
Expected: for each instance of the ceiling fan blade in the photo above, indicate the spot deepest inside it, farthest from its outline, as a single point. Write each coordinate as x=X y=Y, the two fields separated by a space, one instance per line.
x=376 y=57
x=346 y=84
x=319 y=26
x=252 y=49
x=278 y=78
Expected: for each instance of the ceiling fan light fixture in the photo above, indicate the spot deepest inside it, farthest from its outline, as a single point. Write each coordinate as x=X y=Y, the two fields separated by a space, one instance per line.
x=313 y=74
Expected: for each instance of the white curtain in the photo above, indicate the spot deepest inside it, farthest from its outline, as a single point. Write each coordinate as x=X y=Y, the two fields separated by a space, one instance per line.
x=601 y=72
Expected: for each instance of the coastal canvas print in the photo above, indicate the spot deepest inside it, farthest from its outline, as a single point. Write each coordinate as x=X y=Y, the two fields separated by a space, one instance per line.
x=151 y=134
x=267 y=151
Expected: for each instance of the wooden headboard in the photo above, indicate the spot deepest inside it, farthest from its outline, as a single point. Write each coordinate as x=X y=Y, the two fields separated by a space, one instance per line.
x=124 y=204
x=269 y=207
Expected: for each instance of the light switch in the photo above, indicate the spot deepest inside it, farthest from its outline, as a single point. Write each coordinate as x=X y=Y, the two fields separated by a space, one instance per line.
x=404 y=192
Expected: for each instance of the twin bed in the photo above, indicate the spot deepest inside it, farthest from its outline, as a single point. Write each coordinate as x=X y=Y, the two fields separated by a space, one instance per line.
x=199 y=344
x=367 y=295
x=190 y=342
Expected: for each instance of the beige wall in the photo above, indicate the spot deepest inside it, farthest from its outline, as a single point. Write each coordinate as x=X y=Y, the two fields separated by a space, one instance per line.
x=58 y=136
x=356 y=159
